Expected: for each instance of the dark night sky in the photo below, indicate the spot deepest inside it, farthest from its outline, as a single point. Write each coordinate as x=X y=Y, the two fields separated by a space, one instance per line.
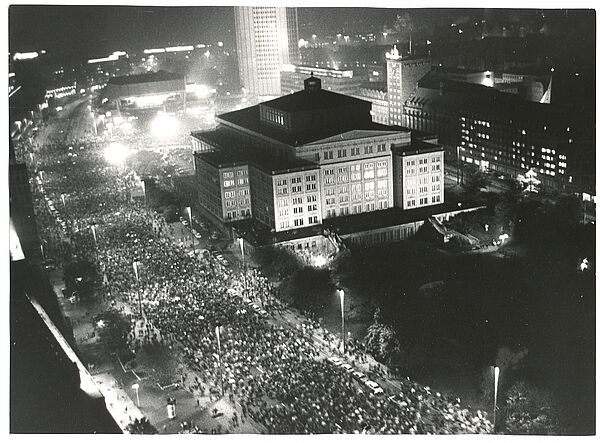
x=99 y=30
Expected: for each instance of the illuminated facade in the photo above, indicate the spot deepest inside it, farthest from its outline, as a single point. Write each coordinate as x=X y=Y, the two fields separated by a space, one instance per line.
x=505 y=132
x=403 y=73
x=340 y=81
x=267 y=39
x=312 y=156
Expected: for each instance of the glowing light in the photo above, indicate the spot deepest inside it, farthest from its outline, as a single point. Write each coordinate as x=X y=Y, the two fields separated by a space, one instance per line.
x=116 y=153
x=584 y=265
x=154 y=51
x=25 y=55
x=220 y=44
x=179 y=48
x=163 y=126
x=319 y=261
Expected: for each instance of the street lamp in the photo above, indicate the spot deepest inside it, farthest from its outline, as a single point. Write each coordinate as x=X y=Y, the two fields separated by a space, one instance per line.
x=218 y=333
x=137 y=279
x=341 y=294
x=136 y=388
x=496 y=377
x=189 y=211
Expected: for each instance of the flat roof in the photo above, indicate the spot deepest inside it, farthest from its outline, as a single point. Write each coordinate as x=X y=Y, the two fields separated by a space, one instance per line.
x=249 y=119
x=313 y=100
x=159 y=76
x=370 y=221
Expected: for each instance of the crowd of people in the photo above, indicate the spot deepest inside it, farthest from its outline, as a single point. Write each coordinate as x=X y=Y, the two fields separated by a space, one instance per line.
x=279 y=375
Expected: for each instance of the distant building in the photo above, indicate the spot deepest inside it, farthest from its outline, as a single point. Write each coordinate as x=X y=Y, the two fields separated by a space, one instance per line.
x=403 y=73
x=151 y=90
x=505 y=132
x=312 y=156
x=335 y=80
x=267 y=39
x=380 y=109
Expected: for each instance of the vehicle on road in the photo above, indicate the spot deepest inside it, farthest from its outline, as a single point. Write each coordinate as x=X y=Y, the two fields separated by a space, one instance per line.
x=348 y=368
x=374 y=387
x=359 y=376
x=197 y=235
x=335 y=361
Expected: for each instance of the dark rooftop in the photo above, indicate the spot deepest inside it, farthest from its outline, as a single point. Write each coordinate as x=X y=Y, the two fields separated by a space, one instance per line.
x=391 y=217
x=249 y=119
x=312 y=100
x=159 y=76
x=246 y=153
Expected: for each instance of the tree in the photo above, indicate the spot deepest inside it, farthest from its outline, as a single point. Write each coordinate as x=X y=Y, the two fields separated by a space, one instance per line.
x=141 y=426
x=568 y=209
x=381 y=340
x=474 y=178
x=530 y=410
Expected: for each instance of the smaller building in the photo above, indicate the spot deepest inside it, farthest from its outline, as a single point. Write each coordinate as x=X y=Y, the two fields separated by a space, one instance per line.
x=419 y=170
x=223 y=185
x=335 y=80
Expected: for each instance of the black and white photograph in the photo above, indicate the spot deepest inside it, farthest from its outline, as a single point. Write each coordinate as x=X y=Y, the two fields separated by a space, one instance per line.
x=301 y=218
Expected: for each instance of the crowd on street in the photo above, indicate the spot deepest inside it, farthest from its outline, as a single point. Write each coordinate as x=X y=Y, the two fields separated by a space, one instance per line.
x=227 y=324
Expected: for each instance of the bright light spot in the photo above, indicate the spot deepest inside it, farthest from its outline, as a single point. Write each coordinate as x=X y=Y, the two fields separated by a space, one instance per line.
x=503 y=237
x=319 y=261
x=116 y=153
x=100 y=324
x=59 y=108
x=584 y=265
x=163 y=126
x=25 y=55
x=220 y=44
x=207 y=54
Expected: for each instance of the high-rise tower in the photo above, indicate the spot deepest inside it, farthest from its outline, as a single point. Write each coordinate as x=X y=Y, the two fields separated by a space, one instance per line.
x=267 y=38
x=403 y=73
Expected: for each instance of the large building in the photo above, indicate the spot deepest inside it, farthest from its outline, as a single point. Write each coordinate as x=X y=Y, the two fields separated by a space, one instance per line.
x=505 y=132
x=335 y=80
x=403 y=73
x=151 y=90
x=312 y=156
x=267 y=39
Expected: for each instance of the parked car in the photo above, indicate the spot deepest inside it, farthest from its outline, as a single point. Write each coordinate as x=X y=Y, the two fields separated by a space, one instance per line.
x=335 y=361
x=359 y=376
x=374 y=387
x=347 y=367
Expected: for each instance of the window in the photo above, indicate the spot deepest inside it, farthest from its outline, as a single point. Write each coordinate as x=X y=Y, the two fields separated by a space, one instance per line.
x=311 y=186
x=228 y=183
x=311 y=198
x=296 y=180
x=229 y=194
x=296 y=189
x=242 y=181
x=313 y=219
x=297 y=201
x=341 y=153
x=228 y=174
x=381 y=147
x=298 y=222
x=328 y=155
x=281 y=182
x=298 y=210
x=368 y=149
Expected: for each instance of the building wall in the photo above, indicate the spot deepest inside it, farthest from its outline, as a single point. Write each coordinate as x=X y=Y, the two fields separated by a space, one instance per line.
x=402 y=78
x=209 y=187
x=235 y=193
x=419 y=179
x=264 y=44
x=261 y=188
x=380 y=108
x=343 y=82
x=297 y=199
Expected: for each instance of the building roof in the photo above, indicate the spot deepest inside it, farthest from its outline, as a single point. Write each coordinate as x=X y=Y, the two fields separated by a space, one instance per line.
x=304 y=100
x=246 y=153
x=249 y=119
x=150 y=77
x=436 y=94
x=370 y=221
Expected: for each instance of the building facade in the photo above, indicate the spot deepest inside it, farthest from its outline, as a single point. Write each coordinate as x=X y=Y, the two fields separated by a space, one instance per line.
x=505 y=132
x=313 y=156
x=335 y=80
x=403 y=73
x=267 y=39
x=380 y=109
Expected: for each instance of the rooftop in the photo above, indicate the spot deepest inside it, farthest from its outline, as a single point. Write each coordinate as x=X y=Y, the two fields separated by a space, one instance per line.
x=369 y=221
x=304 y=100
x=159 y=76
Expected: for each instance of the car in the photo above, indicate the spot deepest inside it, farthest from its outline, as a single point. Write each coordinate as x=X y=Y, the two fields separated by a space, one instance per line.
x=263 y=312
x=197 y=235
x=394 y=399
x=185 y=223
x=359 y=376
x=335 y=361
x=181 y=219
x=374 y=387
x=347 y=367
x=203 y=225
